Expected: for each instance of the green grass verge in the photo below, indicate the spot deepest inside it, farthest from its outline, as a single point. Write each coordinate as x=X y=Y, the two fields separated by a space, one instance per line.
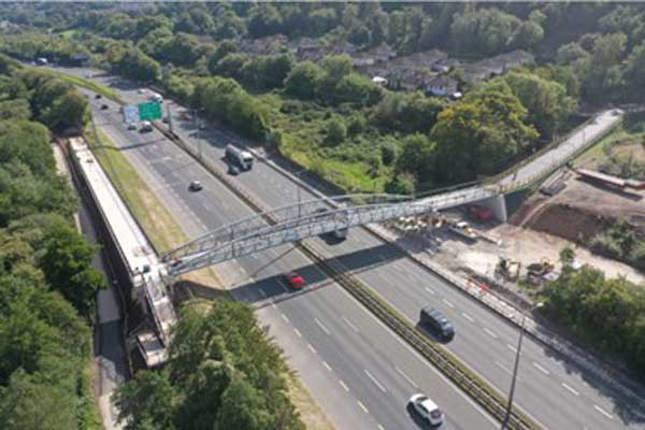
x=160 y=226
x=91 y=418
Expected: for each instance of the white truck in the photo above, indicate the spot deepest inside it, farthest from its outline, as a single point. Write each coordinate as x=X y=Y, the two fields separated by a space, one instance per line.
x=240 y=157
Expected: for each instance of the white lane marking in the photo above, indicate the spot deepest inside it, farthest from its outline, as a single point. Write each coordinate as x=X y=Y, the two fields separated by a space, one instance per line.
x=468 y=317
x=511 y=347
x=429 y=290
x=380 y=427
x=406 y=377
x=362 y=406
x=504 y=368
x=311 y=348
x=541 y=369
x=342 y=384
x=567 y=387
x=374 y=380
x=321 y=325
x=297 y=332
x=448 y=303
x=424 y=362
x=490 y=332
x=327 y=366
x=350 y=324
x=284 y=317
x=262 y=292
x=274 y=306
x=604 y=412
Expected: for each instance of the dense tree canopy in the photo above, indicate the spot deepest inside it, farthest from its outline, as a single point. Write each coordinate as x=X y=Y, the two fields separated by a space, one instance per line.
x=607 y=312
x=45 y=340
x=222 y=373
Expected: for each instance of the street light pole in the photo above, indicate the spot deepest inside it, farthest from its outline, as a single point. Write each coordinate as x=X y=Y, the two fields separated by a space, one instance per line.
x=516 y=365
x=509 y=406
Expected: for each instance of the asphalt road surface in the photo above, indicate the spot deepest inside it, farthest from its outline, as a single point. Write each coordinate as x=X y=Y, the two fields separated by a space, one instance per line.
x=360 y=372
x=552 y=390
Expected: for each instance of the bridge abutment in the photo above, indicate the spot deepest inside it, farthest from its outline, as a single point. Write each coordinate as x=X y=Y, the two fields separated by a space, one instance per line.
x=497 y=204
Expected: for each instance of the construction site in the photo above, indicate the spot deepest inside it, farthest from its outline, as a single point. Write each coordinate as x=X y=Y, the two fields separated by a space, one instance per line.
x=574 y=206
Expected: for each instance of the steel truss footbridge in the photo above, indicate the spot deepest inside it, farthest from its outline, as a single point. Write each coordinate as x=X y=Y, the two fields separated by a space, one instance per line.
x=307 y=219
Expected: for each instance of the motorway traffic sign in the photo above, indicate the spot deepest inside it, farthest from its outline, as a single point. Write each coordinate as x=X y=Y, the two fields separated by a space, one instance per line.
x=149 y=111
x=131 y=114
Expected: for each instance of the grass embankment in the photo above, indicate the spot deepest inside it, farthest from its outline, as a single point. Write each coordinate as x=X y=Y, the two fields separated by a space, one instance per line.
x=627 y=140
x=161 y=227
x=85 y=83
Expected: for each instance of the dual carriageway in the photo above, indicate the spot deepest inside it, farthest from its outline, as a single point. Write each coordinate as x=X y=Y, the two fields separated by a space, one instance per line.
x=359 y=371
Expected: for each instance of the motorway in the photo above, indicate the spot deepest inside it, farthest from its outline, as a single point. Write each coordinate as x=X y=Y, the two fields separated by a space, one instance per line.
x=360 y=372
x=550 y=389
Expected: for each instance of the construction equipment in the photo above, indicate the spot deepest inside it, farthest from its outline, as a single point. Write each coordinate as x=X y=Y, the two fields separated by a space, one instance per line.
x=535 y=272
x=508 y=269
x=464 y=230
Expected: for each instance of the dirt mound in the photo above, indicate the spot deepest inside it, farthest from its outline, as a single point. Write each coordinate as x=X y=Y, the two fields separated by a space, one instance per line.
x=569 y=222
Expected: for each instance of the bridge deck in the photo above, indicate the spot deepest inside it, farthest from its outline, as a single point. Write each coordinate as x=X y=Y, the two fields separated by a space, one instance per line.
x=135 y=249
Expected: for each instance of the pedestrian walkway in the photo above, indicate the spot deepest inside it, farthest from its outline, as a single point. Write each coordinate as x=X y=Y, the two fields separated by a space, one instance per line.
x=146 y=271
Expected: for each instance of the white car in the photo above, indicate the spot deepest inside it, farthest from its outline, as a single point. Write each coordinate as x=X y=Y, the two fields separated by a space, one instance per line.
x=427 y=409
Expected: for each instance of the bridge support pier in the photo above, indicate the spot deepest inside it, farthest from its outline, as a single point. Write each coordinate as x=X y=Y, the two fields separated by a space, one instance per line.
x=497 y=204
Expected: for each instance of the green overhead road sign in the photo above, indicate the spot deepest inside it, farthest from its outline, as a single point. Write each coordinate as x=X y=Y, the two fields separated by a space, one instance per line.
x=149 y=111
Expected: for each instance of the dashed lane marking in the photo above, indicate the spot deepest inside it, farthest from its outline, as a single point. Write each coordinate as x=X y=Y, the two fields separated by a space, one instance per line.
x=511 y=347
x=490 y=332
x=374 y=380
x=350 y=324
x=297 y=332
x=327 y=366
x=406 y=377
x=342 y=384
x=604 y=412
x=570 y=389
x=362 y=406
x=380 y=427
x=429 y=290
x=321 y=325
x=468 y=317
x=262 y=293
x=448 y=303
x=541 y=369
x=284 y=317
x=311 y=348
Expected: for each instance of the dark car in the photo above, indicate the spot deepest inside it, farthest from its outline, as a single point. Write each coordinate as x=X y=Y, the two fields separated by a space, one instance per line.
x=436 y=321
x=104 y=107
x=98 y=96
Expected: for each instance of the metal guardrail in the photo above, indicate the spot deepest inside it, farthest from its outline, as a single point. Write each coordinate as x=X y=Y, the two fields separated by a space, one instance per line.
x=471 y=384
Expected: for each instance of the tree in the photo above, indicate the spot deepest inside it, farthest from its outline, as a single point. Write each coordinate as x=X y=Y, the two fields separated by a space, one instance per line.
x=67 y=265
x=69 y=110
x=546 y=101
x=483 y=31
x=417 y=158
x=481 y=133
x=567 y=256
x=601 y=72
x=242 y=408
x=146 y=402
x=635 y=67
x=407 y=112
x=303 y=80
x=336 y=131
x=264 y=20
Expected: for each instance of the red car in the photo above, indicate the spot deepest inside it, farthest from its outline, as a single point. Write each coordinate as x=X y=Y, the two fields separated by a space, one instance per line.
x=294 y=280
